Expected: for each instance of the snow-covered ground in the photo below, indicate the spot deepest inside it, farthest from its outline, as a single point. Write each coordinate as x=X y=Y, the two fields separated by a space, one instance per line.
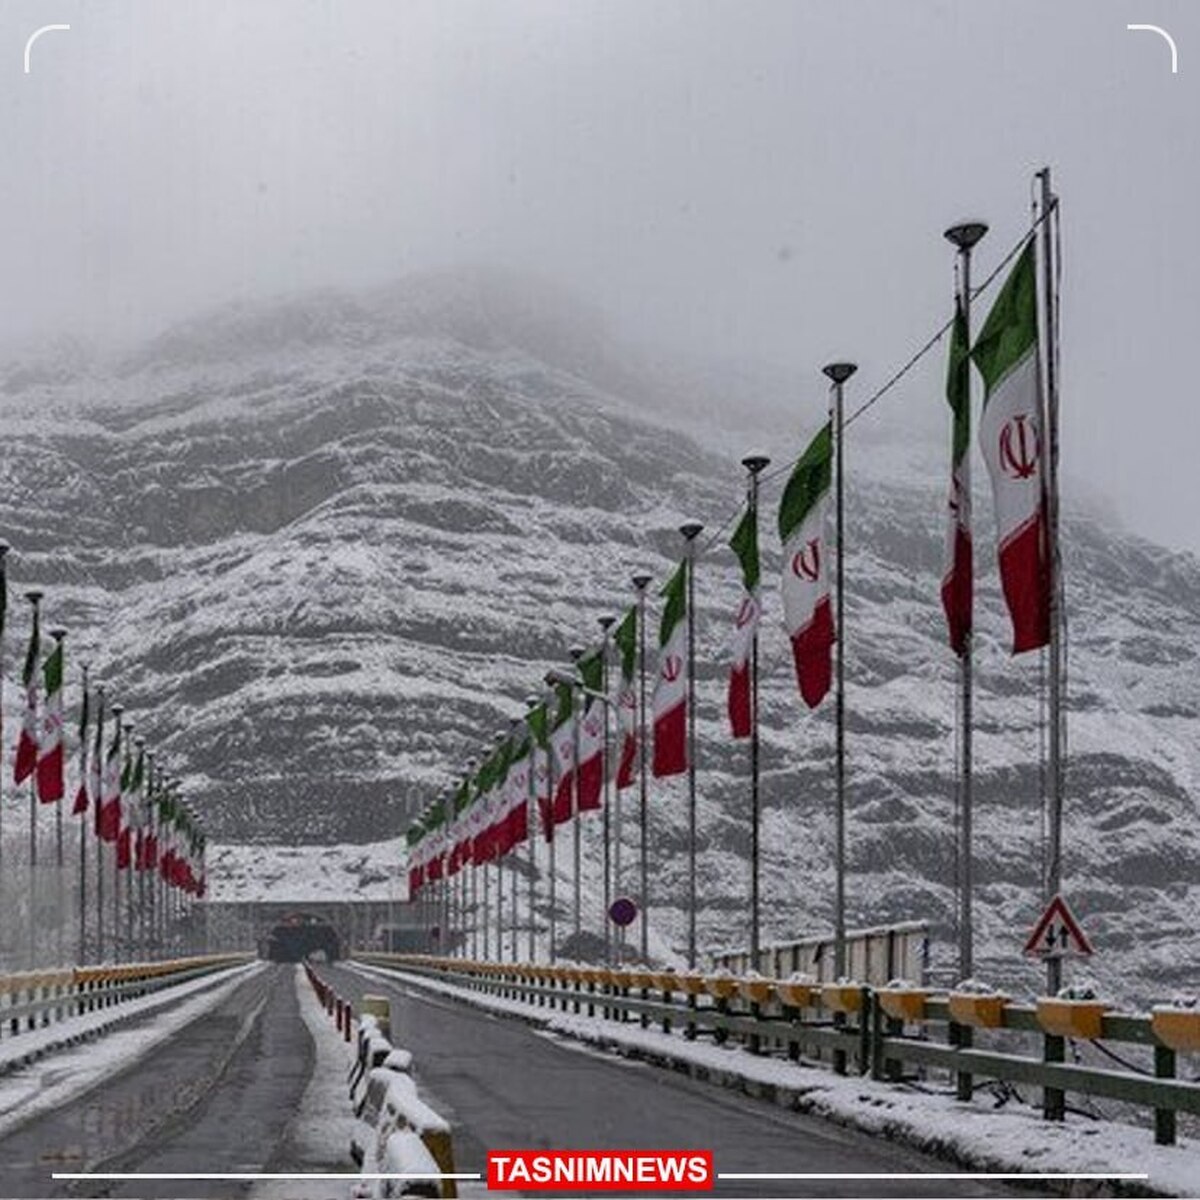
x=974 y=1135
x=48 y=1083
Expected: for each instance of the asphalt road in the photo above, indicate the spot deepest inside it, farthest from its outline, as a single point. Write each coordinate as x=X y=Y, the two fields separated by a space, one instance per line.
x=216 y=1097
x=504 y=1084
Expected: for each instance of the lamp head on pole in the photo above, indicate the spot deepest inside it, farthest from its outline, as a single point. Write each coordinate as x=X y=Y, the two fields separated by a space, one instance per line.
x=499 y=738
x=839 y=372
x=691 y=530
x=641 y=581
x=966 y=234
x=555 y=676
x=606 y=623
x=117 y=710
x=756 y=463
x=4 y=549
x=58 y=633
x=34 y=596
x=576 y=653
x=532 y=701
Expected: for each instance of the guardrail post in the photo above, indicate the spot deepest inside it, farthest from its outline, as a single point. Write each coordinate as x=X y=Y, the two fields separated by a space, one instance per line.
x=864 y=1029
x=690 y=1031
x=666 y=1021
x=754 y=1042
x=1164 y=1118
x=961 y=1037
x=791 y=1015
x=347 y=1018
x=877 y=1031
x=1054 y=1100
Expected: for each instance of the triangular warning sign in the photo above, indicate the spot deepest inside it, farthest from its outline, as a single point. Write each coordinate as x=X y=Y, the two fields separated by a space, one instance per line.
x=1057 y=933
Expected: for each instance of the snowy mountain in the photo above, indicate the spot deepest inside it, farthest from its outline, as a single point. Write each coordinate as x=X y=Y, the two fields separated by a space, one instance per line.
x=322 y=549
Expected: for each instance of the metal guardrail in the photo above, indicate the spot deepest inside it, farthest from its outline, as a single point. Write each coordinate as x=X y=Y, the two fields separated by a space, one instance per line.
x=879 y=1031
x=873 y=955
x=36 y=999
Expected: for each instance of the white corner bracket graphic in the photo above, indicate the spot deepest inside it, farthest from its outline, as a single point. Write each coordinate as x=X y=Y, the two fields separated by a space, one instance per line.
x=1166 y=38
x=33 y=37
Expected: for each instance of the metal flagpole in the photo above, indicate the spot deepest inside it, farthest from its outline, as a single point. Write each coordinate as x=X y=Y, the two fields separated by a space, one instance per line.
x=84 y=817
x=128 y=727
x=138 y=863
x=606 y=623
x=690 y=531
x=1049 y=204
x=641 y=582
x=1053 y=1099
x=60 y=890
x=965 y=236
x=576 y=653
x=4 y=548
x=531 y=826
x=755 y=464
x=839 y=373
x=550 y=784
x=118 y=709
x=35 y=599
x=97 y=800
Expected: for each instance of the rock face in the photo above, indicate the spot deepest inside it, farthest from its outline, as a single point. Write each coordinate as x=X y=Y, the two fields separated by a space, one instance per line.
x=322 y=550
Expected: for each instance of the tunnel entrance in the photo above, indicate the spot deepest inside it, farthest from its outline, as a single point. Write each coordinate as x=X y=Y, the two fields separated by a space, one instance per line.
x=299 y=936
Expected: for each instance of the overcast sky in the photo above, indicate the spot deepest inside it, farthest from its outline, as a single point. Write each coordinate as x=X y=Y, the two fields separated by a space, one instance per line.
x=764 y=180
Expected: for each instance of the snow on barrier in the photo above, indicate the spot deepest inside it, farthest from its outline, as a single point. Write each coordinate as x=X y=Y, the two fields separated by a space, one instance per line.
x=897 y=1032
x=395 y=1132
x=31 y=1000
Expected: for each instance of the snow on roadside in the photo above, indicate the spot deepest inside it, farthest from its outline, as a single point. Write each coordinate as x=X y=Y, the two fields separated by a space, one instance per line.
x=974 y=1134
x=55 y=1079
x=319 y=1133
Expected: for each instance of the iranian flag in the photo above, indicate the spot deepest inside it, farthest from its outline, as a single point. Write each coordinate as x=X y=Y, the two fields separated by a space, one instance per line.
x=1010 y=435
x=50 y=749
x=27 y=747
x=538 y=721
x=125 y=811
x=562 y=750
x=457 y=836
x=516 y=819
x=83 y=796
x=670 y=688
x=590 y=776
x=109 y=819
x=958 y=569
x=807 y=610
x=626 y=639
x=96 y=769
x=416 y=868
x=745 y=624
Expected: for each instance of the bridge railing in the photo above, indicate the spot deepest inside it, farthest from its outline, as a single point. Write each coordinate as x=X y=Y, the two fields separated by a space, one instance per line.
x=879 y=1031
x=31 y=1000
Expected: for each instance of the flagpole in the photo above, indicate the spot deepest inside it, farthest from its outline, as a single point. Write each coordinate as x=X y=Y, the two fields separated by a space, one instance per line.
x=531 y=818
x=1053 y=884
x=139 y=861
x=97 y=800
x=690 y=531
x=4 y=549
x=576 y=653
x=128 y=727
x=117 y=710
x=641 y=582
x=965 y=236
x=755 y=464
x=59 y=636
x=838 y=373
x=83 y=823
x=551 y=784
x=606 y=624
x=35 y=599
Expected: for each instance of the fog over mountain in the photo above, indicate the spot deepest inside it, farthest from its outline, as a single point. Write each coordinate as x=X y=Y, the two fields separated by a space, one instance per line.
x=322 y=549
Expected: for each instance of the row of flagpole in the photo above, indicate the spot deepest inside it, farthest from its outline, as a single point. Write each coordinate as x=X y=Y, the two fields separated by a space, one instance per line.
x=124 y=797
x=1016 y=355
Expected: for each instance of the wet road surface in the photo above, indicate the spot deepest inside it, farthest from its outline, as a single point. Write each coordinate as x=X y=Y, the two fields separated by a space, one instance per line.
x=216 y=1097
x=506 y=1085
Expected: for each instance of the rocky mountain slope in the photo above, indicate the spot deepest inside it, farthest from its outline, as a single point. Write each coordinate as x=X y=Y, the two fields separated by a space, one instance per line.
x=322 y=550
